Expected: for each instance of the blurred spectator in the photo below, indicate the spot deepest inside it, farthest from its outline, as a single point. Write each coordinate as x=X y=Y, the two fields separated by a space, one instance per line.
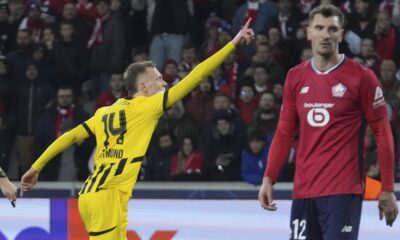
x=262 y=79
x=158 y=163
x=225 y=33
x=218 y=80
x=49 y=38
x=211 y=43
x=222 y=149
x=362 y=20
x=306 y=53
x=4 y=28
x=59 y=118
x=70 y=59
x=389 y=83
x=20 y=57
x=177 y=122
x=223 y=102
x=255 y=157
x=368 y=57
x=5 y=140
x=305 y=6
x=31 y=97
x=33 y=23
x=246 y=102
x=187 y=164
x=277 y=90
x=189 y=60
x=170 y=73
x=139 y=54
x=107 y=43
x=15 y=17
x=81 y=28
x=200 y=106
x=282 y=50
x=387 y=38
x=287 y=20
x=265 y=117
x=393 y=8
x=260 y=12
x=44 y=62
x=116 y=90
x=264 y=57
x=169 y=24
x=5 y=90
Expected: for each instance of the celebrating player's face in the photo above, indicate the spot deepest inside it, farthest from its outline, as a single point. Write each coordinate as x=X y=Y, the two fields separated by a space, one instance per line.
x=325 y=34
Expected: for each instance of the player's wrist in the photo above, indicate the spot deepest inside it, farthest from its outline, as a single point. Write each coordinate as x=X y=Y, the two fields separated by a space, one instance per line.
x=267 y=180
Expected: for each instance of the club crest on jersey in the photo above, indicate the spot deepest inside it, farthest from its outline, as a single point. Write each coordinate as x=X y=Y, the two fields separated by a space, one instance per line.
x=338 y=90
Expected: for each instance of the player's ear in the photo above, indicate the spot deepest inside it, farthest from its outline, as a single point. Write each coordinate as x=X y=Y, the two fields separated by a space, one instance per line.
x=341 y=34
x=141 y=87
x=308 y=30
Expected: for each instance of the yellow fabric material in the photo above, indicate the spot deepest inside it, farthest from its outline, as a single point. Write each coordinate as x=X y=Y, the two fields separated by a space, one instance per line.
x=60 y=144
x=105 y=210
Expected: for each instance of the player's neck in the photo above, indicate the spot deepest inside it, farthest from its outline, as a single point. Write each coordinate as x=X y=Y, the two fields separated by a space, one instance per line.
x=323 y=64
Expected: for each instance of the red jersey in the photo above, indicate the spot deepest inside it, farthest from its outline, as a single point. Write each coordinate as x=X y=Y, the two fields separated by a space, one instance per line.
x=330 y=109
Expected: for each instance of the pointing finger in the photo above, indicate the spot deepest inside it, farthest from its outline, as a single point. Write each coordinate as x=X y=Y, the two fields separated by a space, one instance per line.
x=246 y=25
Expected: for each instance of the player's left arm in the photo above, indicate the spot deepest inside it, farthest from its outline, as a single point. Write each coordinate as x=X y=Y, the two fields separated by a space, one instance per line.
x=375 y=110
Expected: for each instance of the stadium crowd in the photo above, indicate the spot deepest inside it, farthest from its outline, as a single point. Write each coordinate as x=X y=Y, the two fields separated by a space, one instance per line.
x=60 y=60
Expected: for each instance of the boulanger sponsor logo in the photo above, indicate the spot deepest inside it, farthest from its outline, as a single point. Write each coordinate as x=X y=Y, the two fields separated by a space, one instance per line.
x=319 y=105
x=318 y=115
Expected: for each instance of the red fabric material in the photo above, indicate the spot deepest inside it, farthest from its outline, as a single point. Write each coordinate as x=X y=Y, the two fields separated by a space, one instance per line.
x=329 y=109
x=62 y=115
x=384 y=140
x=193 y=164
x=87 y=10
x=280 y=147
x=252 y=9
x=200 y=108
x=384 y=46
x=246 y=110
x=107 y=99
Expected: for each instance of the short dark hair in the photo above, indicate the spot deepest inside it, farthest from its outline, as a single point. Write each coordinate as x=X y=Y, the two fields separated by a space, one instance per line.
x=131 y=75
x=65 y=87
x=327 y=10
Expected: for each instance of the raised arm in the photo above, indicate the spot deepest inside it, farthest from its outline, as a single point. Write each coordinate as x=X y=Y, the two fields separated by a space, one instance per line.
x=207 y=67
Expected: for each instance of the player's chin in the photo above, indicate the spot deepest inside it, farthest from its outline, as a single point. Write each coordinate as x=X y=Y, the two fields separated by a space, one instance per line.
x=325 y=52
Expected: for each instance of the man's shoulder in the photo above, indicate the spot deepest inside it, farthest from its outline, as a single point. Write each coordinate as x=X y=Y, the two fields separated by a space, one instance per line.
x=349 y=65
x=299 y=70
x=353 y=72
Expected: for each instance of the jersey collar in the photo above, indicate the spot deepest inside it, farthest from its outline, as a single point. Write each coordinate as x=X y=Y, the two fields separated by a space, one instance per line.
x=341 y=60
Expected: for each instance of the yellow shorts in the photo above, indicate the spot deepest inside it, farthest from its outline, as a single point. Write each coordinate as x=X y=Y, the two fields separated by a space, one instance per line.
x=105 y=214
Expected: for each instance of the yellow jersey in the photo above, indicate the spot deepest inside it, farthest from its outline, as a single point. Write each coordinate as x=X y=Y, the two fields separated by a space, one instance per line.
x=124 y=129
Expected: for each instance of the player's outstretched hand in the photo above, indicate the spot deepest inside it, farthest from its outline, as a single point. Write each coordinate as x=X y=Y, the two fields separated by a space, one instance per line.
x=9 y=189
x=245 y=35
x=388 y=207
x=29 y=180
x=265 y=195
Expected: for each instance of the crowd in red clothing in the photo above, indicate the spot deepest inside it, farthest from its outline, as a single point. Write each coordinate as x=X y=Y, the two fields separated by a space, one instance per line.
x=222 y=131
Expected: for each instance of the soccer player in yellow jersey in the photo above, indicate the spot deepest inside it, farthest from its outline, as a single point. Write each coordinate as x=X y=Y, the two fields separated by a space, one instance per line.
x=122 y=133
